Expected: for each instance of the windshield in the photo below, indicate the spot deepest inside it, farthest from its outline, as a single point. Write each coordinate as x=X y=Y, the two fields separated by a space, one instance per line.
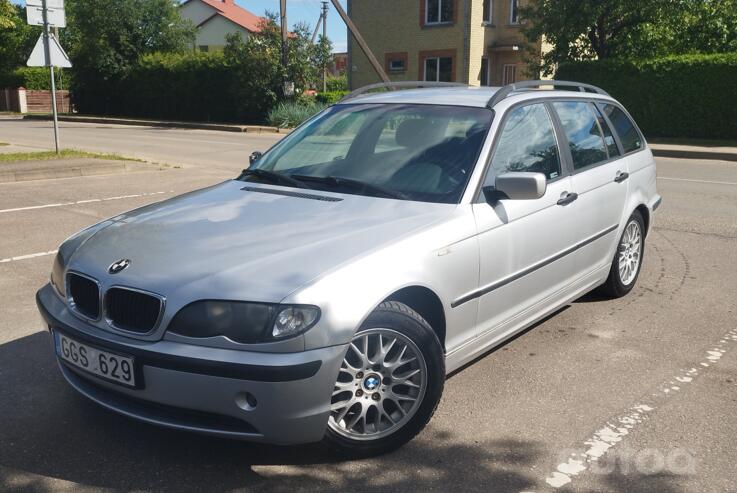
x=409 y=151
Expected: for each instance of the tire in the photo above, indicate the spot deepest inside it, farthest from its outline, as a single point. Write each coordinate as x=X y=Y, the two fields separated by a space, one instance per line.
x=620 y=283
x=368 y=418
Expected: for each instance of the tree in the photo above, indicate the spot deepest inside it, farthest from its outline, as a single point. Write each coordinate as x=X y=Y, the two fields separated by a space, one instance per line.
x=589 y=29
x=105 y=39
x=698 y=26
x=257 y=68
x=7 y=13
x=601 y=29
x=16 y=37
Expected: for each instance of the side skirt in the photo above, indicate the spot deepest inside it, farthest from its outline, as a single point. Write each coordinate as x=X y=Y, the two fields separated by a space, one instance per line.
x=495 y=336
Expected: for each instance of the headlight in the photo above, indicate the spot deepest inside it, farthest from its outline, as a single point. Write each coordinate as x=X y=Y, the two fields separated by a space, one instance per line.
x=244 y=322
x=294 y=320
x=57 y=275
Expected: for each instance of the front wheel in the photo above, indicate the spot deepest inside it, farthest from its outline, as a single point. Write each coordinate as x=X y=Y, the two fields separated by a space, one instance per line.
x=628 y=258
x=389 y=384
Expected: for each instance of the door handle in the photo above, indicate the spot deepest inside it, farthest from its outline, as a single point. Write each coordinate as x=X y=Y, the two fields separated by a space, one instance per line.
x=621 y=176
x=566 y=198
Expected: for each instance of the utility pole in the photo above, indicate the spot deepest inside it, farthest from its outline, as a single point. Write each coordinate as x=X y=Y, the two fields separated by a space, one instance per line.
x=324 y=36
x=317 y=28
x=47 y=53
x=288 y=91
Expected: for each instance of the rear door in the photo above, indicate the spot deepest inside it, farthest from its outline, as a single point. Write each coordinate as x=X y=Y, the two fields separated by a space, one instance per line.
x=599 y=176
x=522 y=243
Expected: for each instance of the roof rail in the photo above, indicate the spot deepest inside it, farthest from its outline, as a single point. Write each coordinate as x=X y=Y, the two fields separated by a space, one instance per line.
x=398 y=85
x=528 y=84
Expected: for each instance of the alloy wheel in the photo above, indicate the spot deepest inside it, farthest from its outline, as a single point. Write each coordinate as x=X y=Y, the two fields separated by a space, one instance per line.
x=380 y=386
x=630 y=250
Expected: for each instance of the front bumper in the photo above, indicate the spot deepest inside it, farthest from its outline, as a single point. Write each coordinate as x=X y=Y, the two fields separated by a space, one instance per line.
x=202 y=389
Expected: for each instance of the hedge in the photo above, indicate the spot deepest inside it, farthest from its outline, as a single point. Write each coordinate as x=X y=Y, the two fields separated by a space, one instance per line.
x=677 y=96
x=330 y=97
x=34 y=78
x=193 y=86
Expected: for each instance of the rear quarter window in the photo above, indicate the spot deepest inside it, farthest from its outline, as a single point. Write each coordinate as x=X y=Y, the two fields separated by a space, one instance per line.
x=628 y=134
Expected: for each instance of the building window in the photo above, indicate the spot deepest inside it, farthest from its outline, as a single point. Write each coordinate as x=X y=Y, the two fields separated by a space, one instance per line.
x=484 y=75
x=514 y=11
x=488 y=11
x=396 y=66
x=439 y=69
x=395 y=62
x=438 y=11
x=510 y=74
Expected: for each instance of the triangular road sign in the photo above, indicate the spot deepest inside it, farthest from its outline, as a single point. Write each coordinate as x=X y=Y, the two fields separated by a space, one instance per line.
x=58 y=56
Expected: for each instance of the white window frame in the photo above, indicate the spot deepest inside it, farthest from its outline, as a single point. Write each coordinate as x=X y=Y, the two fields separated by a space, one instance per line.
x=437 y=68
x=395 y=69
x=490 y=20
x=514 y=6
x=440 y=12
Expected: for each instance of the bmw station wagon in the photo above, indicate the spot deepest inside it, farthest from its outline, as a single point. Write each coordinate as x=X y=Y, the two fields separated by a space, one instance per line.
x=327 y=291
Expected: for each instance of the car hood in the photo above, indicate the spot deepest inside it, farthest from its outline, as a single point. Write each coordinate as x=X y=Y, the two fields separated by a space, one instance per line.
x=258 y=244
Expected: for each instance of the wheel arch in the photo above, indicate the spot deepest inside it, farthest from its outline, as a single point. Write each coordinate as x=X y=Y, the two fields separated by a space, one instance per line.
x=645 y=213
x=427 y=303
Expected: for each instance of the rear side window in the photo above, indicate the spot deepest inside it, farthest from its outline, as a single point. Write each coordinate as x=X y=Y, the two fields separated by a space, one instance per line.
x=527 y=143
x=611 y=144
x=584 y=135
x=628 y=134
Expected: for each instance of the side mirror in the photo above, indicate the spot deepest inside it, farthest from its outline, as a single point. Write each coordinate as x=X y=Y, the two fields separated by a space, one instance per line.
x=517 y=186
x=255 y=156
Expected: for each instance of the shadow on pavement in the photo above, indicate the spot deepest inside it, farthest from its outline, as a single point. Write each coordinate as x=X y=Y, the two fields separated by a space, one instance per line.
x=635 y=483
x=47 y=429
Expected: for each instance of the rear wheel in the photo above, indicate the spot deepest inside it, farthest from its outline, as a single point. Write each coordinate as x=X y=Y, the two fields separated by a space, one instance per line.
x=628 y=258
x=389 y=384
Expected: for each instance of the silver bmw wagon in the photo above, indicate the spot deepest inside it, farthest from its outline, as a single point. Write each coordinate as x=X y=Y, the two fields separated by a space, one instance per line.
x=327 y=291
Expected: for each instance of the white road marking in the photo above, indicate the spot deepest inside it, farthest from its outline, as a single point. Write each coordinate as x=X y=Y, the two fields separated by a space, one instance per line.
x=79 y=202
x=697 y=181
x=26 y=257
x=616 y=429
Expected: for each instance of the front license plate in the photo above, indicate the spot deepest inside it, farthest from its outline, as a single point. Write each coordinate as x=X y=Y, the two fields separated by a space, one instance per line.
x=96 y=361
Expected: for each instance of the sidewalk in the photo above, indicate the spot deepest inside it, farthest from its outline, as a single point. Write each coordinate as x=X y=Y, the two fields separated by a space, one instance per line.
x=223 y=127
x=720 y=153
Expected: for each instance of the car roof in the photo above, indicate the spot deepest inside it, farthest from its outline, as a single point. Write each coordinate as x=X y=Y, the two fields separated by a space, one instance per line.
x=459 y=96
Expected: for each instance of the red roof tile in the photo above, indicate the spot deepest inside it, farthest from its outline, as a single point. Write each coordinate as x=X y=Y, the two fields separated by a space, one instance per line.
x=235 y=13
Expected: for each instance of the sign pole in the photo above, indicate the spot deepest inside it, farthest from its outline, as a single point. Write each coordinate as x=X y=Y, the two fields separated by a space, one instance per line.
x=47 y=51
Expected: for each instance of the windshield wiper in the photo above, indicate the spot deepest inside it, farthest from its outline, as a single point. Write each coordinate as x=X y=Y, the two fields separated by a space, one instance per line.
x=336 y=181
x=273 y=177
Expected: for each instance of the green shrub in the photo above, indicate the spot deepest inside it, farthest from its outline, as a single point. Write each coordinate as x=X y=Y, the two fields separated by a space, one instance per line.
x=290 y=114
x=339 y=83
x=34 y=78
x=676 y=96
x=330 y=97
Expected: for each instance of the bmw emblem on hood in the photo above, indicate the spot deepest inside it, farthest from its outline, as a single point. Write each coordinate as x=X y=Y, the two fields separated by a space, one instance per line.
x=119 y=266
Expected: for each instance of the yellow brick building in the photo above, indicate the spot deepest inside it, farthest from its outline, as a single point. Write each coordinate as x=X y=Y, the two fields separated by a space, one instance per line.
x=478 y=42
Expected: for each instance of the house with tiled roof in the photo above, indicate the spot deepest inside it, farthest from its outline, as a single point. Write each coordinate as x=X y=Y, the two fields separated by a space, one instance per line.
x=215 y=19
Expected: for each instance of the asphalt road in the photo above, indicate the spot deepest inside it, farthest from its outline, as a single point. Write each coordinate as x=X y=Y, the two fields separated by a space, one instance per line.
x=648 y=382
x=216 y=150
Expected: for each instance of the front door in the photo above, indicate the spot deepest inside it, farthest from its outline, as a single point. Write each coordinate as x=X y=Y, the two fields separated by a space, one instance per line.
x=523 y=243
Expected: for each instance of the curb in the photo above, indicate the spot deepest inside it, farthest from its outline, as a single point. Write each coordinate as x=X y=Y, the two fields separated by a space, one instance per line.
x=223 y=127
x=694 y=154
x=108 y=168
